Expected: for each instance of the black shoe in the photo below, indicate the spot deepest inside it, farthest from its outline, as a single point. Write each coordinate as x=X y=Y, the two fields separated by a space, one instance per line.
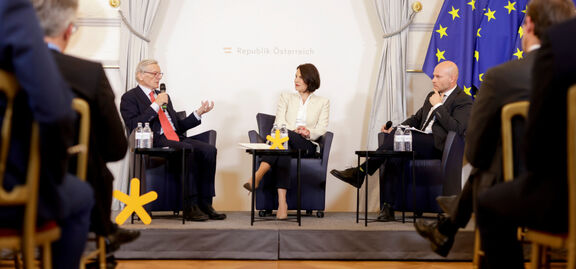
x=447 y=203
x=119 y=237
x=386 y=213
x=350 y=176
x=440 y=243
x=212 y=214
x=195 y=214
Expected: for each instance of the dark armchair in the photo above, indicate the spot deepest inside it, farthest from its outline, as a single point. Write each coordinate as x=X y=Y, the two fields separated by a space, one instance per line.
x=434 y=177
x=313 y=175
x=161 y=172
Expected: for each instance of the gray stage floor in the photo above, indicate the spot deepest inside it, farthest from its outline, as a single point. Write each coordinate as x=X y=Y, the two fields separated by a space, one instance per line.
x=336 y=236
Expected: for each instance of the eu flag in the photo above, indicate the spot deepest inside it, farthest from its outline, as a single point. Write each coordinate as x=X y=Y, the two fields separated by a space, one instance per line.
x=476 y=35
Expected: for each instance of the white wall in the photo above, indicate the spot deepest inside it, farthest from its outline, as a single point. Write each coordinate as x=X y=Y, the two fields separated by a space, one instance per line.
x=230 y=51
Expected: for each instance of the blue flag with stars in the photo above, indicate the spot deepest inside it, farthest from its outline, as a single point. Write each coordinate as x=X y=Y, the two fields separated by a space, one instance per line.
x=476 y=35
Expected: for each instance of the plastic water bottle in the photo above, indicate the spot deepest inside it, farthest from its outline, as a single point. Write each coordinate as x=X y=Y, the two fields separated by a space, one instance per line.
x=138 y=136
x=146 y=136
x=407 y=140
x=398 y=139
x=284 y=133
x=273 y=132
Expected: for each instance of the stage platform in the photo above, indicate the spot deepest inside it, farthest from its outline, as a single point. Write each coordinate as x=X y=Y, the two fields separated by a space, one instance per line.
x=336 y=236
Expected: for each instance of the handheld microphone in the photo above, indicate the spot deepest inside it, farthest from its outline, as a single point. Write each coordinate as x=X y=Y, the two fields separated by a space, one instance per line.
x=163 y=89
x=388 y=125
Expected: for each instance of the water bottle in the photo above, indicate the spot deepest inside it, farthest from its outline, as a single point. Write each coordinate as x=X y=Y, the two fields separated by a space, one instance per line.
x=273 y=132
x=138 y=136
x=398 y=139
x=407 y=140
x=284 y=133
x=146 y=136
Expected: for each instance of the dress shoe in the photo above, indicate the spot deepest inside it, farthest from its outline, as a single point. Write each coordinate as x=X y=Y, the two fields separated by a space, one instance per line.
x=447 y=203
x=386 y=213
x=441 y=243
x=350 y=176
x=212 y=214
x=195 y=214
x=119 y=237
x=248 y=186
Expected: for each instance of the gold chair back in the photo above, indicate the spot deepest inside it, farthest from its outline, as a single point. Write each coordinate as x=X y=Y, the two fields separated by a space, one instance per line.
x=510 y=111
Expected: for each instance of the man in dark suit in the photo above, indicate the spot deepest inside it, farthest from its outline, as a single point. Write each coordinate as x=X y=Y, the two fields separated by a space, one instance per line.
x=503 y=84
x=447 y=108
x=537 y=198
x=107 y=137
x=144 y=104
x=45 y=98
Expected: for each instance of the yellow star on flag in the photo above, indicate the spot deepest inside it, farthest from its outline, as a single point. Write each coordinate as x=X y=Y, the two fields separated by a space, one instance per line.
x=277 y=140
x=478 y=33
x=519 y=53
x=490 y=14
x=467 y=90
x=524 y=11
x=520 y=31
x=134 y=203
x=473 y=4
x=476 y=55
x=454 y=13
x=442 y=31
x=481 y=77
x=440 y=55
x=510 y=7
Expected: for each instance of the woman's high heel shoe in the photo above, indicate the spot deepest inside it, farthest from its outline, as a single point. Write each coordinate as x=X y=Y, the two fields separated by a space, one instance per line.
x=248 y=186
x=282 y=212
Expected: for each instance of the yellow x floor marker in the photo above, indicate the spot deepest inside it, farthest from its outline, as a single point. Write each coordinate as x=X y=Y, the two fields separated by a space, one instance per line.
x=277 y=140
x=134 y=203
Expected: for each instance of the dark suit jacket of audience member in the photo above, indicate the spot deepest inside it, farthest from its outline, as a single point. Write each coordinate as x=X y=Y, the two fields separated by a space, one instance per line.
x=451 y=116
x=107 y=137
x=546 y=130
x=503 y=84
x=135 y=107
x=44 y=97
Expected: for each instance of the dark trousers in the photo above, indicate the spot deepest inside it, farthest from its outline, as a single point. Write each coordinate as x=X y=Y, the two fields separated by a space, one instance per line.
x=281 y=164
x=422 y=144
x=76 y=205
x=532 y=201
x=201 y=165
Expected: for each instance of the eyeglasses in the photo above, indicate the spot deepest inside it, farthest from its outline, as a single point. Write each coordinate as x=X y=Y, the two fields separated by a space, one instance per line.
x=154 y=74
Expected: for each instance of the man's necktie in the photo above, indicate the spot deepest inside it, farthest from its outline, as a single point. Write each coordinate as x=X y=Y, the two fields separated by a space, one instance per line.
x=166 y=126
x=431 y=115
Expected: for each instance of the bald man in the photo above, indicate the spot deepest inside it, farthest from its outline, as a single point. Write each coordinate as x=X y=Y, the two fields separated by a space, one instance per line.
x=447 y=108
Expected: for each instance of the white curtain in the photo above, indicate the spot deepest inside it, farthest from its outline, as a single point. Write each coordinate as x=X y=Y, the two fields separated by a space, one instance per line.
x=389 y=101
x=137 y=20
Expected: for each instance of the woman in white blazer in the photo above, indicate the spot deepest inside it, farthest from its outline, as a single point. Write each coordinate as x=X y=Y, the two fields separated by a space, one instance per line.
x=306 y=117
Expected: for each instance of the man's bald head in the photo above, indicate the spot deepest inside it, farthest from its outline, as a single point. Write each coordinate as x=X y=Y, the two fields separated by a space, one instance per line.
x=445 y=76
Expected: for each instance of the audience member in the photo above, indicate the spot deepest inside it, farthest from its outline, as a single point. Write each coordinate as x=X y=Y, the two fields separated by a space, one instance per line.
x=45 y=99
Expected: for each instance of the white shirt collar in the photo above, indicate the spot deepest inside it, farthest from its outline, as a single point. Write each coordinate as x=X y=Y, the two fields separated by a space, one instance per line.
x=146 y=90
x=533 y=47
x=447 y=93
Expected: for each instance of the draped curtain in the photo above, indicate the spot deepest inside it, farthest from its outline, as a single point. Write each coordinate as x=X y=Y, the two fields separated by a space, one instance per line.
x=389 y=101
x=137 y=20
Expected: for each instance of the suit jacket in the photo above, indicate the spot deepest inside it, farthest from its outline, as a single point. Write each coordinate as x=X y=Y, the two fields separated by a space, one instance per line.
x=451 y=116
x=107 y=137
x=45 y=97
x=317 y=113
x=503 y=84
x=135 y=107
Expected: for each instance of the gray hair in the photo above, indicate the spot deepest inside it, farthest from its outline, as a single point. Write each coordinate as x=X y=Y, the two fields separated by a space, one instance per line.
x=55 y=15
x=142 y=64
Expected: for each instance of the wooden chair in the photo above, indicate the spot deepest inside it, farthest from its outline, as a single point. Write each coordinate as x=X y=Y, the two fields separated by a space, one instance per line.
x=541 y=240
x=509 y=111
x=81 y=149
x=27 y=237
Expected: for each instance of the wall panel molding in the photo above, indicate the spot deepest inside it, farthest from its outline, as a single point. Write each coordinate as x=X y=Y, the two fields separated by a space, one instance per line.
x=98 y=22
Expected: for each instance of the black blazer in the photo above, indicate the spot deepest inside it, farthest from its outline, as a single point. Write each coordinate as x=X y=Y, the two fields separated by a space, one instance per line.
x=451 y=116
x=107 y=137
x=503 y=84
x=135 y=107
